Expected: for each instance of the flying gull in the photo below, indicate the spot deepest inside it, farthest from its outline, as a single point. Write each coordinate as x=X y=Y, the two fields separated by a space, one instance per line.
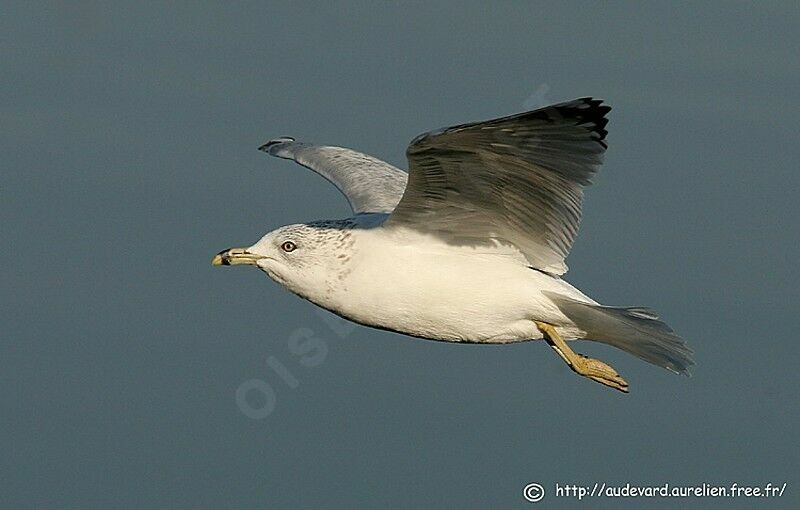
x=469 y=245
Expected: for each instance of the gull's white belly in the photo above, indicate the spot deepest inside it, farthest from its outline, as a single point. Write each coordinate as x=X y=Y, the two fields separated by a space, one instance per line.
x=449 y=293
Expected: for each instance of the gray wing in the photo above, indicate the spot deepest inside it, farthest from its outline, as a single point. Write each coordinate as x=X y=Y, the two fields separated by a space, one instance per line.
x=518 y=180
x=369 y=184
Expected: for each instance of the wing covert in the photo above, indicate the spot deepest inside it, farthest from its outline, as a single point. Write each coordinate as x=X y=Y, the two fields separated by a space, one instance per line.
x=518 y=180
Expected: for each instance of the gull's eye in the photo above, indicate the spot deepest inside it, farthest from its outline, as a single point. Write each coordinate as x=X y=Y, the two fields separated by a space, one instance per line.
x=288 y=246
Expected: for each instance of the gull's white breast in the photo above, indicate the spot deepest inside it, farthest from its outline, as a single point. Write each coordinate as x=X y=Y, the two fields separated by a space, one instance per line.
x=415 y=284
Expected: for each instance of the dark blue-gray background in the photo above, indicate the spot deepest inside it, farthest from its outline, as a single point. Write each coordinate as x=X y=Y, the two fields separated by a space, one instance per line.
x=129 y=136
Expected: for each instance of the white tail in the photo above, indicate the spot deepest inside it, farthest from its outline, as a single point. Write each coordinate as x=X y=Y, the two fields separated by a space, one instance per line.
x=635 y=330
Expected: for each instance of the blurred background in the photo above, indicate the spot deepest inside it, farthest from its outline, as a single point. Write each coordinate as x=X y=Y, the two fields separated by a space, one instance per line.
x=135 y=375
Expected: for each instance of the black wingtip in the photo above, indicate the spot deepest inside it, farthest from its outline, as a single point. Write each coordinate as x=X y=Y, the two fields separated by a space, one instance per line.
x=276 y=141
x=586 y=111
x=595 y=117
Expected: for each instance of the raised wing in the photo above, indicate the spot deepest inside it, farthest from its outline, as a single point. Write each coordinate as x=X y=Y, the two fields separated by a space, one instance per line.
x=517 y=180
x=369 y=184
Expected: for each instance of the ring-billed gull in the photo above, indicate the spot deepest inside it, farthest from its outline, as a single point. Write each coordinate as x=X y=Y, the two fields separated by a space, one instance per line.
x=469 y=245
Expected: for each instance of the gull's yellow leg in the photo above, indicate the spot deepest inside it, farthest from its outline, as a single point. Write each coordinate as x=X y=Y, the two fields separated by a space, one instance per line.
x=592 y=368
